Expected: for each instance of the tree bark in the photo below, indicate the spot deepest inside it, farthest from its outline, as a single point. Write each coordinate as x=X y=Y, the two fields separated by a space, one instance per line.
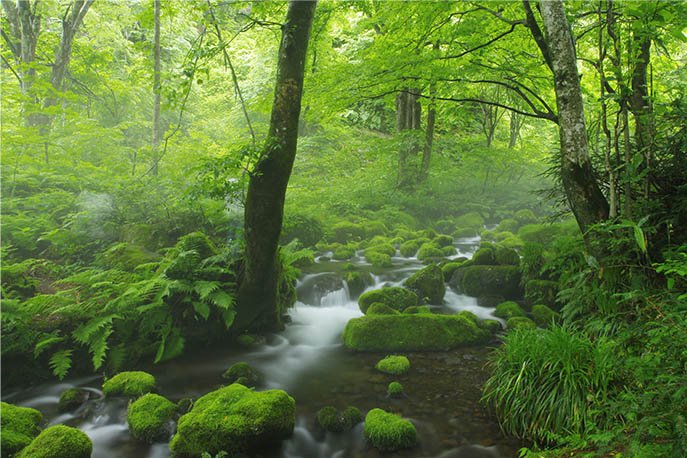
x=429 y=133
x=258 y=306
x=408 y=117
x=640 y=102
x=586 y=200
x=156 y=89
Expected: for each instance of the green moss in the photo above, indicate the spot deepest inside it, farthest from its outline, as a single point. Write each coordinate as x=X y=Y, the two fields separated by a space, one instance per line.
x=129 y=384
x=59 y=441
x=343 y=253
x=234 y=418
x=499 y=236
x=345 y=232
x=508 y=225
x=462 y=232
x=488 y=235
x=18 y=427
x=378 y=259
x=149 y=417
x=428 y=284
x=507 y=256
x=512 y=242
x=485 y=256
x=250 y=340
x=242 y=373
x=395 y=297
x=382 y=309
x=302 y=227
x=409 y=248
x=525 y=216
x=373 y=228
x=541 y=292
x=394 y=390
x=543 y=315
x=428 y=233
x=393 y=365
x=450 y=267
x=491 y=326
x=388 y=432
x=449 y=250
x=472 y=220
x=469 y=315
x=414 y=309
x=490 y=301
x=334 y=421
x=357 y=282
x=539 y=233
x=520 y=322
x=443 y=240
x=489 y=280
x=406 y=332
x=385 y=248
x=72 y=398
x=429 y=252
x=508 y=309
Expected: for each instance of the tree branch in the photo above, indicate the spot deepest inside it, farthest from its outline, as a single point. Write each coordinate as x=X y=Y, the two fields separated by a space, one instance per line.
x=537 y=34
x=483 y=45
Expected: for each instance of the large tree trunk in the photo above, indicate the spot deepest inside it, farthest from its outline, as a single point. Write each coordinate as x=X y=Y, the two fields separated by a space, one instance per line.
x=156 y=88
x=586 y=200
x=257 y=298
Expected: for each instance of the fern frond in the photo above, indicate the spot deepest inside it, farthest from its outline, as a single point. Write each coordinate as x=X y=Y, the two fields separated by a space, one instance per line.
x=202 y=309
x=45 y=344
x=60 y=363
x=203 y=288
x=222 y=299
x=84 y=333
x=171 y=345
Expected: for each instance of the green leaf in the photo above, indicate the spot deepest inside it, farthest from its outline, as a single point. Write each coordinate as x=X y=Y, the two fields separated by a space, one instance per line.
x=203 y=288
x=222 y=299
x=60 y=363
x=45 y=344
x=228 y=316
x=639 y=238
x=202 y=309
x=171 y=345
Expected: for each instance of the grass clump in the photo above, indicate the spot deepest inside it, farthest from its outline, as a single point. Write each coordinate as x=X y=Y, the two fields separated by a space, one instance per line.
x=548 y=383
x=129 y=384
x=149 y=416
x=393 y=365
x=388 y=432
x=58 y=441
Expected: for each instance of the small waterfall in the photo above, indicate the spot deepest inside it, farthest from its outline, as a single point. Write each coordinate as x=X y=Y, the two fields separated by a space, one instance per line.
x=336 y=298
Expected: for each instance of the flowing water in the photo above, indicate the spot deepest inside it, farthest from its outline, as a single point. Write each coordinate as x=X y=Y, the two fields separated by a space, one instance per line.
x=308 y=360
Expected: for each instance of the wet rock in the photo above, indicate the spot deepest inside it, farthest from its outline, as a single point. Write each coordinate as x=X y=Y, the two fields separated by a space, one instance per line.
x=488 y=280
x=395 y=297
x=72 y=398
x=428 y=284
x=334 y=421
x=242 y=373
x=129 y=384
x=149 y=417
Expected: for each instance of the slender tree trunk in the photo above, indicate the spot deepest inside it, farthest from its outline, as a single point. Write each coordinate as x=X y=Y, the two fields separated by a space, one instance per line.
x=640 y=102
x=408 y=117
x=586 y=200
x=610 y=168
x=516 y=121
x=156 y=89
x=429 y=134
x=258 y=306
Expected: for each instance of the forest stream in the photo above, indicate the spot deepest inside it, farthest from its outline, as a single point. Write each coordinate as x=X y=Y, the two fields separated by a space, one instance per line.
x=308 y=360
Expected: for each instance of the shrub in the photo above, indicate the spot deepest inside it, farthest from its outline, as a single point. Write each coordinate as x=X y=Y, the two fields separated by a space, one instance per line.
x=548 y=383
x=393 y=365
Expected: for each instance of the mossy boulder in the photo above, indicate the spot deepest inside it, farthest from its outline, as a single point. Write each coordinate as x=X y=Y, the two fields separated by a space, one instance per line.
x=508 y=309
x=489 y=280
x=395 y=297
x=490 y=301
x=345 y=232
x=541 y=292
x=72 y=399
x=428 y=284
x=385 y=248
x=378 y=259
x=463 y=232
x=406 y=332
x=449 y=250
x=374 y=228
x=418 y=309
x=525 y=216
x=429 y=252
x=149 y=417
x=450 y=267
x=543 y=315
x=388 y=432
x=357 y=282
x=129 y=384
x=520 y=322
x=394 y=390
x=330 y=419
x=508 y=225
x=343 y=253
x=409 y=248
x=506 y=256
x=539 y=233
x=443 y=240
x=242 y=373
x=472 y=220
x=18 y=427
x=234 y=419
x=393 y=365
x=382 y=309
x=58 y=441
x=485 y=256
x=491 y=326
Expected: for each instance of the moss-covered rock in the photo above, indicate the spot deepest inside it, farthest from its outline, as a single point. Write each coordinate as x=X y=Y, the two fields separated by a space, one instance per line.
x=393 y=365
x=506 y=256
x=491 y=326
x=488 y=235
x=130 y=384
x=508 y=225
x=541 y=292
x=72 y=399
x=520 y=322
x=449 y=250
x=409 y=248
x=59 y=441
x=543 y=315
x=428 y=284
x=490 y=301
x=345 y=232
x=463 y=232
x=388 y=432
x=334 y=421
x=357 y=282
x=490 y=280
x=395 y=297
x=450 y=267
x=485 y=256
x=385 y=248
x=417 y=309
x=429 y=252
x=472 y=220
x=374 y=228
x=394 y=390
x=525 y=216
x=250 y=340
x=378 y=259
x=443 y=240
x=242 y=373
x=508 y=309
x=378 y=308
x=539 y=233
x=343 y=253
x=149 y=416
x=234 y=418
x=18 y=427
x=416 y=332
